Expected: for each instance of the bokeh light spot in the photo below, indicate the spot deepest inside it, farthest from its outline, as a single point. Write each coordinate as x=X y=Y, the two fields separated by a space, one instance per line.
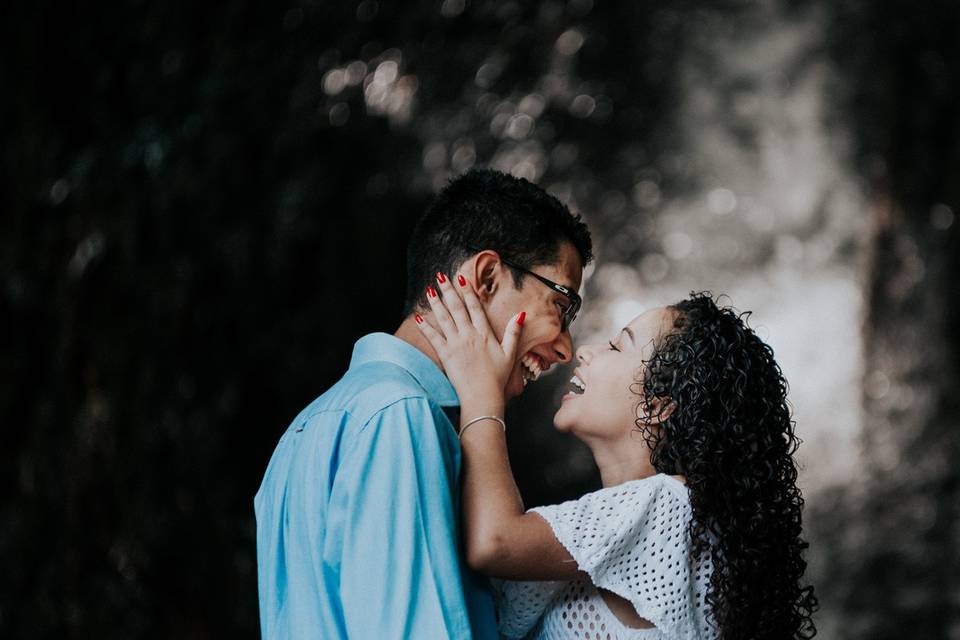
x=367 y=10
x=452 y=8
x=488 y=73
x=569 y=42
x=677 y=245
x=339 y=114
x=582 y=106
x=386 y=72
x=646 y=194
x=87 y=250
x=532 y=105
x=464 y=155
x=333 y=82
x=354 y=73
x=59 y=192
x=434 y=156
x=519 y=126
x=654 y=267
x=941 y=217
x=721 y=201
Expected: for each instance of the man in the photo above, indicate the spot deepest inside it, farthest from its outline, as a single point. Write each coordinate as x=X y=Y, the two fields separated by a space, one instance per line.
x=358 y=513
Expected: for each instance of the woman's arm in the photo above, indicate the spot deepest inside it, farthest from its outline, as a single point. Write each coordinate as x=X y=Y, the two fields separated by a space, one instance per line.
x=500 y=539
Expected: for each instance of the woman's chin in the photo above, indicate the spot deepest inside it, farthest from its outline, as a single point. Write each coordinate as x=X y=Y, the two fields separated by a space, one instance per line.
x=562 y=422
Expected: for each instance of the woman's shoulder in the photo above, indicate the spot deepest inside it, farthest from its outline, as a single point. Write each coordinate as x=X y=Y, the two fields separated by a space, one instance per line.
x=641 y=487
x=660 y=481
x=647 y=499
x=650 y=499
x=631 y=539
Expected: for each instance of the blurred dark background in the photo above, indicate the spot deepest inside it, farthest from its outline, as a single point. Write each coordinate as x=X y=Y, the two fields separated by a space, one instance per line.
x=206 y=204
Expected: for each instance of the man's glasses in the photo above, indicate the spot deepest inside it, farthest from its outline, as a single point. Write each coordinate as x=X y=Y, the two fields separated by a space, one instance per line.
x=570 y=312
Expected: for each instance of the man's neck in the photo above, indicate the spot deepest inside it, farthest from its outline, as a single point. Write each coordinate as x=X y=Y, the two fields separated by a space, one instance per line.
x=409 y=333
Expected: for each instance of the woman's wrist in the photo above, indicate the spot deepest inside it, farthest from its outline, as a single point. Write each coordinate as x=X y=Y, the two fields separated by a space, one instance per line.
x=474 y=409
x=486 y=420
x=484 y=392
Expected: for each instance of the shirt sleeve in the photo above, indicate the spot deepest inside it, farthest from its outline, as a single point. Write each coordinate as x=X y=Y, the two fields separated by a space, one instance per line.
x=633 y=540
x=520 y=604
x=400 y=572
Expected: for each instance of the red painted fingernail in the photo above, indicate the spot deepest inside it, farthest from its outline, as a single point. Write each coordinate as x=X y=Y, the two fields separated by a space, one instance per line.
x=461 y=280
x=431 y=292
x=521 y=318
x=418 y=318
x=441 y=278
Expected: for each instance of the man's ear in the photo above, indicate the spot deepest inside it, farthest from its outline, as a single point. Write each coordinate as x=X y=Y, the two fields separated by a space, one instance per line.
x=488 y=272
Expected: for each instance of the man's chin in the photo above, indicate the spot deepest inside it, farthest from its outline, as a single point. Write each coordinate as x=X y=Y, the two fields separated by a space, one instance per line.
x=515 y=386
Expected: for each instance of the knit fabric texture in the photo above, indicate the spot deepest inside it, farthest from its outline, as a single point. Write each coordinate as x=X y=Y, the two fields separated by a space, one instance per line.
x=631 y=540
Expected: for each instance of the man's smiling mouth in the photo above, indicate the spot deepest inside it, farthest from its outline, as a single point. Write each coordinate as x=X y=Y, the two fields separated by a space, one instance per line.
x=531 y=369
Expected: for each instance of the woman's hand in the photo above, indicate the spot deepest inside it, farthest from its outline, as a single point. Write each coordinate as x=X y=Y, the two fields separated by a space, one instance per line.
x=499 y=538
x=476 y=362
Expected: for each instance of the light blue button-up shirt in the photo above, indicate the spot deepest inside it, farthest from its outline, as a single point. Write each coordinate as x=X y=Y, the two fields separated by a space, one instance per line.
x=358 y=513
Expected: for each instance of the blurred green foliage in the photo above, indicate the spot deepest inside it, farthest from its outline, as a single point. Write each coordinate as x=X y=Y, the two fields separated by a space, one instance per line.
x=888 y=559
x=199 y=223
x=205 y=205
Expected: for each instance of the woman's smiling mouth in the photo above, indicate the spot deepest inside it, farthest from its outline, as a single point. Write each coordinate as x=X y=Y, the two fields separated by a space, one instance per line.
x=577 y=386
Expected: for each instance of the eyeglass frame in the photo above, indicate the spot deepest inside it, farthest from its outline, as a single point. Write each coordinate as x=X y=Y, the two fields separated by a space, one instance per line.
x=570 y=313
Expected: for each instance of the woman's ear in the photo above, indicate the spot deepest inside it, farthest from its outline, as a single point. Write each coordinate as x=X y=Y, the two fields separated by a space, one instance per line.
x=487 y=272
x=657 y=410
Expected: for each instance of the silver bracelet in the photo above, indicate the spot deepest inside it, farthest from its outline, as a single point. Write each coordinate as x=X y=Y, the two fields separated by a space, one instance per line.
x=476 y=420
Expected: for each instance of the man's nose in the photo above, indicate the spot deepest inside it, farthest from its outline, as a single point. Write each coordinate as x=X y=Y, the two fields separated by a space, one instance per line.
x=563 y=347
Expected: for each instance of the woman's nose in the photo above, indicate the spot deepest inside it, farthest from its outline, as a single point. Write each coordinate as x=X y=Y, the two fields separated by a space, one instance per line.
x=585 y=353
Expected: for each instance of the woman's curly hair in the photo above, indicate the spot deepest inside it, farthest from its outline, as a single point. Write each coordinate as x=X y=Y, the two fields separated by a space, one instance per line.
x=730 y=433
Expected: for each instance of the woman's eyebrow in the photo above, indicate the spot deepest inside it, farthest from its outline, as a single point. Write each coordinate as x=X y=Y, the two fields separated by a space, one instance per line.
x=633 y=338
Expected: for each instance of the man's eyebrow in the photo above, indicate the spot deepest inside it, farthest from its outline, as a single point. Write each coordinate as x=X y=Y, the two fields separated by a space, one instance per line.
x=633 y=338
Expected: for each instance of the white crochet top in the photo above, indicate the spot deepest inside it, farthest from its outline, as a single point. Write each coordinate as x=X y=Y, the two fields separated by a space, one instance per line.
x=633 y=540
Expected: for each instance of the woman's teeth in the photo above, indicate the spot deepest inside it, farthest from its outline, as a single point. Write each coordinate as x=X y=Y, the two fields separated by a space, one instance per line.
x=578 y=386
x=531 y=368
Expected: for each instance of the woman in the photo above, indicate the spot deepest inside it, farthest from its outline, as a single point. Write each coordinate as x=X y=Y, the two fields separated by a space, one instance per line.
x=696 y=532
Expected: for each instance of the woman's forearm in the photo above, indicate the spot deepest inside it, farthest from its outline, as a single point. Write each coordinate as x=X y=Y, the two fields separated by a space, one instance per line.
x=501 y=540
x=491 y=499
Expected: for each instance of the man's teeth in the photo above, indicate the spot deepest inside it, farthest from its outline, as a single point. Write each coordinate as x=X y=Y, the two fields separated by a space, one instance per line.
x=578 y=384
x=531 y=368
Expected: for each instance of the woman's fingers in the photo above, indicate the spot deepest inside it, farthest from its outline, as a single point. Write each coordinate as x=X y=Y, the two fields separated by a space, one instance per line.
x=453 y=303
x=511 y=336
x=478 y=316
x=440 y=313
x=437 y=341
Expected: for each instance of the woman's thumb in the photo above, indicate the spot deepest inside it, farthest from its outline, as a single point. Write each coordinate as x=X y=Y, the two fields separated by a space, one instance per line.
x=511 y=335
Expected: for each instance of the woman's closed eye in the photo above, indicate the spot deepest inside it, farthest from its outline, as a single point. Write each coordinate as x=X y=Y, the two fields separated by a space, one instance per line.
x=613 y=346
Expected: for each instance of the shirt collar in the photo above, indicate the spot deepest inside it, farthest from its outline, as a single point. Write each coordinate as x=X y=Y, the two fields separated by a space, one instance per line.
x=383 y=347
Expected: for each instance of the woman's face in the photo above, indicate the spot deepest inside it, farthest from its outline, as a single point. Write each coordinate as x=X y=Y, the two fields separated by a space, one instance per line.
x=602 y=402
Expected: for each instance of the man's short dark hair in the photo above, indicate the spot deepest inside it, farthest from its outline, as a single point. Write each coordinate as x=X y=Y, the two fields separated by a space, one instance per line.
x=486 y=209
